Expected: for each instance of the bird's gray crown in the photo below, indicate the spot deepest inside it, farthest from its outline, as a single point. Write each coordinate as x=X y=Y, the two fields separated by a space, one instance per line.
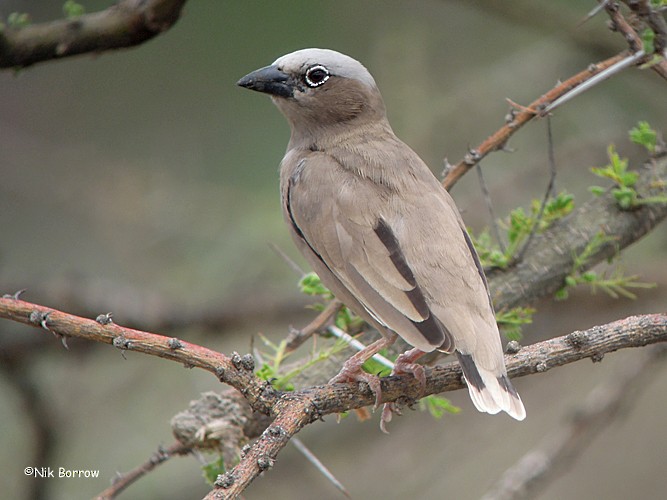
x=338 y=64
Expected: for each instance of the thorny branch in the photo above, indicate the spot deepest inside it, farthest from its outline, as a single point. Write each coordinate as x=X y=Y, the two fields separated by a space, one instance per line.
x=549 y=259
x=236 y=370
x=298 y=337
x=294 y=410
x=652 y=18
x=520 y=115
x=122 y=481
x=551 y=255
x=560 y=449
x=537 y=358
x=124 y=24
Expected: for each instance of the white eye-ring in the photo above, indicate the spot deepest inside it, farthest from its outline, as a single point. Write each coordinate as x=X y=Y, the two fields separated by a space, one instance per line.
x=316 y=75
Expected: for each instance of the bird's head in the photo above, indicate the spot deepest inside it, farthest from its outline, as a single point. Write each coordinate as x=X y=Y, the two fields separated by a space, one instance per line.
x=319 y=89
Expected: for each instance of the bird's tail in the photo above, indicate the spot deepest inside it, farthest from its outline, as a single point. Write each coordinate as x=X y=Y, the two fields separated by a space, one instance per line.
x=490 y=393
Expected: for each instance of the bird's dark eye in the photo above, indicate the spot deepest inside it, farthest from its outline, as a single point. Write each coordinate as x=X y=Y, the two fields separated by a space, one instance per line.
x=316 y=75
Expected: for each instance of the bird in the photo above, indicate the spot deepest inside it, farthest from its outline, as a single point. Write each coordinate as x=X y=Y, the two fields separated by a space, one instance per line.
x=378 y=227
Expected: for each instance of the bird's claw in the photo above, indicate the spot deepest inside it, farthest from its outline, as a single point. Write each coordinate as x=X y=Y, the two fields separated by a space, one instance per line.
x=352 y=374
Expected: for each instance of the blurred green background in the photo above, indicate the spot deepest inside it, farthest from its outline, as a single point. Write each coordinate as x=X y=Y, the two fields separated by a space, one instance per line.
x=144 y=182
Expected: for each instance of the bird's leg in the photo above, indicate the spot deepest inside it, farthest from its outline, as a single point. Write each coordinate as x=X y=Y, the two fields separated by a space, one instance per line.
x=352 y=371
x=404 y=364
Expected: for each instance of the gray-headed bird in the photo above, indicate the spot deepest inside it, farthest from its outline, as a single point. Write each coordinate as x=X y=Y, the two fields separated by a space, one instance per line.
x=378 y=227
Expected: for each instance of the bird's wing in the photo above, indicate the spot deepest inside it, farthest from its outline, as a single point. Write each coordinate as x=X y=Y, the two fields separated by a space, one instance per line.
x=401 y=255
x=340 y=220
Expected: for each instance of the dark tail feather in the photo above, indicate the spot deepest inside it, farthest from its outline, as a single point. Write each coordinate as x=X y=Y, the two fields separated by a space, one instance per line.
x=490 y=392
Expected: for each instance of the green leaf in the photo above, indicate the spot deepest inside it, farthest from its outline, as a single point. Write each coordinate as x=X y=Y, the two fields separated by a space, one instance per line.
x=212 y=470
x=266 y=372
x=310 y=284
x=629 y=179
x=555 y=208
x=625 y=197
x=644 y=135
x=518 y=226
x=648 y=36
x=488 y=251
x=437 y=406
x=512 y=320
x=589 y=276
x=18 y=19
x=597 y=190
x=72 y=9
x=617 y=171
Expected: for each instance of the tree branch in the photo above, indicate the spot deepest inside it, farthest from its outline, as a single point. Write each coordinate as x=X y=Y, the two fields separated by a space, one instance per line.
x=542 y=271
x=294 y=410
x=147 y=309
x=560 y=449
x=124 y=24
x=551 y=255
x=236 y=371
x=549 y=260
x=122 y=481
x=520 y=115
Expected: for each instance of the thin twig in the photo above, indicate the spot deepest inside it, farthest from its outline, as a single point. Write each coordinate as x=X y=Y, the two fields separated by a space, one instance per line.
x=632 y=37
x=551 y=186
x=122 y=481
x=594 y=12
x=298 y=337
x=551 y=152
x=560 y=94
x=312 y=458
x=489 y=206
x=292 y=265
x=522 y=116
x=607 y=73
x=237 y=370
x=618 y=23
x=654 y=20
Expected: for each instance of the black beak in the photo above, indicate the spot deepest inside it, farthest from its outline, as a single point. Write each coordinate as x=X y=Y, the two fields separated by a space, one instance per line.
x=269 y=80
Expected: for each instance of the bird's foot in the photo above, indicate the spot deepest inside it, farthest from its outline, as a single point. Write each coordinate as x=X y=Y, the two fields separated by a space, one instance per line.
x=352 y=371
x=404 y=364
x=388 y=411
